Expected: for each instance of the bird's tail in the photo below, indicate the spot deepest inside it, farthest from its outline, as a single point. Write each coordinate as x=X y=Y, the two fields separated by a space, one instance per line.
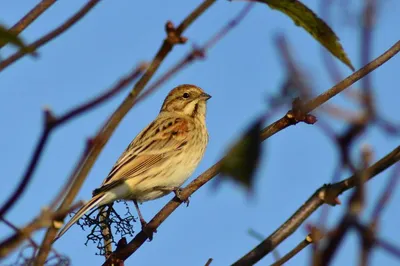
x=91 y=204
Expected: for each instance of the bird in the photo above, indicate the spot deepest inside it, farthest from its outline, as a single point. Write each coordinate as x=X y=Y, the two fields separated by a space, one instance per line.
x=160 y=158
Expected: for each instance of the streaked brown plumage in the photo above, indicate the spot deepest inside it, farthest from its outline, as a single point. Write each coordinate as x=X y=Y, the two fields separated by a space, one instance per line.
x=161 y=157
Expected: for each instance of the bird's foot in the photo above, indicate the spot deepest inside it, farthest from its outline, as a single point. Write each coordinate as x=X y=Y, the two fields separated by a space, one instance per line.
x=177 y=192
x=147 y=230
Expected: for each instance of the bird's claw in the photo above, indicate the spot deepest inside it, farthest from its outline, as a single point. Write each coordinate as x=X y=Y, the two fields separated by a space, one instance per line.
x=178 y=195
x=147 y=230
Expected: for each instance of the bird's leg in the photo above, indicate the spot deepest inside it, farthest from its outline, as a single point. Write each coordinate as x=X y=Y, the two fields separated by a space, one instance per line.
x=177 y=191
x=142 y=220
x=149 y=232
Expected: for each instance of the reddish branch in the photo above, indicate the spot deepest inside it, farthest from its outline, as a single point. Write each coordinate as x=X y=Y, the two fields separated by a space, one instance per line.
x=208 y=263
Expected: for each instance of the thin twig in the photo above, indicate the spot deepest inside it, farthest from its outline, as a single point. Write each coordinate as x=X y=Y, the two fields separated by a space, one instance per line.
x=44 y=219
x=32 y=243
x=392 y=51
x=260 y=237
x=51 y=35
x=388 y=247
x=329 y=62
x=208 y=263
x=16 y=229
x=28 y=174
x=30 y=17
x=303 y=244
x=386 y=195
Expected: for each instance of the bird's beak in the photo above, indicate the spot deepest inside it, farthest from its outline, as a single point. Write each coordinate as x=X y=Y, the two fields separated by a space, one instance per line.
x=205 y=96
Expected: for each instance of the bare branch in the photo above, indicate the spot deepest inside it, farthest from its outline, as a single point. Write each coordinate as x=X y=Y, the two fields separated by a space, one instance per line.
x=389 y=247
x=27 y=176
x=392 y=51
x=44 y=219
x=32 y=15
x=386 y=194
x=208 y=263
x=16 y=229
x=303 y=244
x=51 y=35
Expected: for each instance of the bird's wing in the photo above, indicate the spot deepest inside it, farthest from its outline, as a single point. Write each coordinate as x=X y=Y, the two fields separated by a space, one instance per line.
x=155 y=144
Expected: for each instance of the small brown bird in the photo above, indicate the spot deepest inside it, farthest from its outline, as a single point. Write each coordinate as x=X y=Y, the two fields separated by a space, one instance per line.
x=161 y=158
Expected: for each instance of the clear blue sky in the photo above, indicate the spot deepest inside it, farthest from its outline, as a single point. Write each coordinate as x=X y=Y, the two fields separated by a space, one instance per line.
x=239 y=73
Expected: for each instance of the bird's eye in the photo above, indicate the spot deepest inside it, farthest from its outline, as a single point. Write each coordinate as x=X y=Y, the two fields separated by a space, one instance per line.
x=186 y=95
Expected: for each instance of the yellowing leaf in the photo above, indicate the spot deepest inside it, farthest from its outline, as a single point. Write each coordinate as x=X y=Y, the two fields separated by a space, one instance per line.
x=7 y=36
x=307 y=19
x=242 y=158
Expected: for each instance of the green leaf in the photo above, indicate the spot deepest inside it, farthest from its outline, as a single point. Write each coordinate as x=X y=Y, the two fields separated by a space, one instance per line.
x=241 y=160
x=7 y=36
x=307 y=19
